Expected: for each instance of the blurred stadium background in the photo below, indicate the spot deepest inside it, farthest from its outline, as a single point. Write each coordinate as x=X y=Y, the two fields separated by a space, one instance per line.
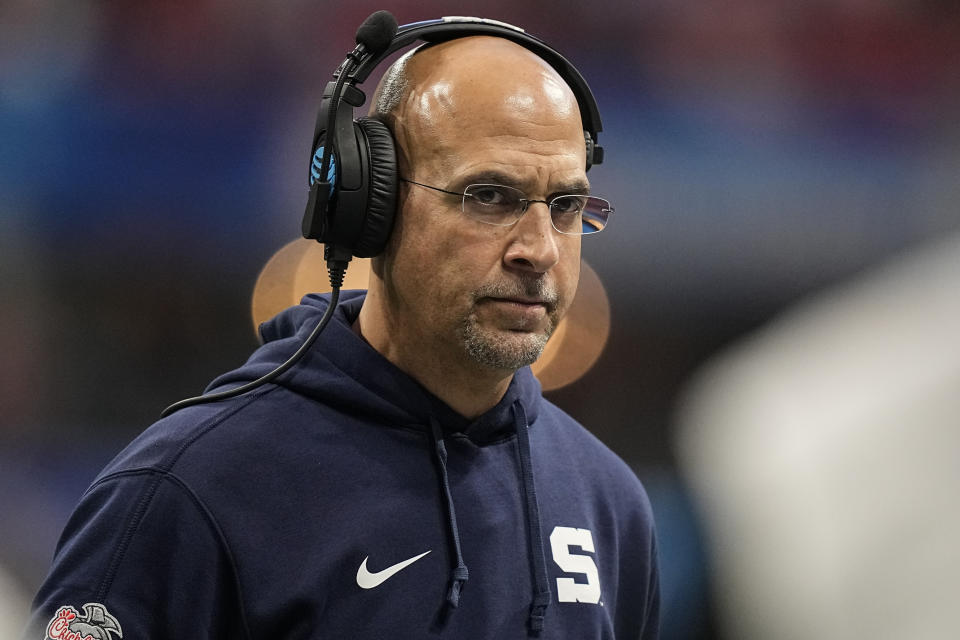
x=153 y=157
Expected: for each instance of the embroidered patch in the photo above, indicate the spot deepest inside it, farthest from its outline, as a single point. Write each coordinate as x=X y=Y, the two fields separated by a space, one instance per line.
x=95 y=624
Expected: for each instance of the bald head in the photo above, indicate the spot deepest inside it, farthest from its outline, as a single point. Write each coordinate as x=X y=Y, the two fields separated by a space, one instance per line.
x=461 y=87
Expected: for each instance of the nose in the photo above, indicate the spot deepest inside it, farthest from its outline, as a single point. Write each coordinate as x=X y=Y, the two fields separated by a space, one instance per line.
x=534 y=242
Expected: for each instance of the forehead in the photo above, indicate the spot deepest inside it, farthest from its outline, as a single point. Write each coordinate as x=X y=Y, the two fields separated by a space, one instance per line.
x=488 y=97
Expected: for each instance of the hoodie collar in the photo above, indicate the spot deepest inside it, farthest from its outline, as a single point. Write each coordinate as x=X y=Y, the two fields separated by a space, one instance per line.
x=343 y=369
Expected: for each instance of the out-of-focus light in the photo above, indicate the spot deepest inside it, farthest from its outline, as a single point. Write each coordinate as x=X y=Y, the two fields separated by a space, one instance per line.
x=579 y=339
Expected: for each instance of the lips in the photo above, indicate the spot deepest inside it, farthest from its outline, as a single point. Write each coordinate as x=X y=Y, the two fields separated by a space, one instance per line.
x=518 y=314
x=530 y=296
x=522 y=303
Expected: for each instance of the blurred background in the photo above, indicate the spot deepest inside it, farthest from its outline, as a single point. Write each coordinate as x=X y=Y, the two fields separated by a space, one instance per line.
x=782 y=369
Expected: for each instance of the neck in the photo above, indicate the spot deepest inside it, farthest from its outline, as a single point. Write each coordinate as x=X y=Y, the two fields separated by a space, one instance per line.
x=467 y=387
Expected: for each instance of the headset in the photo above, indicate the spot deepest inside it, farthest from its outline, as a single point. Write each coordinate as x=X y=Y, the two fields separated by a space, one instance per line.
x=353 y=165
x=353 y=180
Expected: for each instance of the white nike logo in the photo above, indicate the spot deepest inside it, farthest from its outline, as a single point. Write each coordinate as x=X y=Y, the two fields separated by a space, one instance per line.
x=368 y=580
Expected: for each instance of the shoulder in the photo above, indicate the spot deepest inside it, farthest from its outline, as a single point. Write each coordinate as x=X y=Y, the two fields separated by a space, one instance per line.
x=559 y=433
x=565 y=448
x=256 y=449
x=271 y=422
x=193 y=431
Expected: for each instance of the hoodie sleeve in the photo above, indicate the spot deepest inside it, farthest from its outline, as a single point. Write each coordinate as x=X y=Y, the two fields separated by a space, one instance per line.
x=141 y=557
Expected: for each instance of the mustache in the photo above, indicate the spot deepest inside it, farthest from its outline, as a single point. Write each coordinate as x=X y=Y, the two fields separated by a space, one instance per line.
x=524 y=288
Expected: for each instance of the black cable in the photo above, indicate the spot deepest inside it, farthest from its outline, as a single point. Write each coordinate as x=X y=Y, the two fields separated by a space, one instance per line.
x=336 y=270
x=349 y=64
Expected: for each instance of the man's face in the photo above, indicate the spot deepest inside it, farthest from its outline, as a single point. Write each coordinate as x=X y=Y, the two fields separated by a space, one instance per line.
x=470 y=291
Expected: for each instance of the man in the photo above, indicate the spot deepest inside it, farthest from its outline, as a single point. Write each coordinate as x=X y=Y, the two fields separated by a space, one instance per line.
x=406 y=479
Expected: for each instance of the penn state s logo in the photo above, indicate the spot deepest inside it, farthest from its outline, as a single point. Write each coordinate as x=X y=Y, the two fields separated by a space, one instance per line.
x=568 y=545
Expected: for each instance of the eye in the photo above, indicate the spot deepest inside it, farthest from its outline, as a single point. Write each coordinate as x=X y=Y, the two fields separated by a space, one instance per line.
x=568 y=204
x=492 y=195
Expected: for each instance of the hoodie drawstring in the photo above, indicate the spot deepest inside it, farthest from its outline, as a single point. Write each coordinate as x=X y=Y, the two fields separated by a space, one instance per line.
x=538 y=568
x=459 y=575
x=539 y=578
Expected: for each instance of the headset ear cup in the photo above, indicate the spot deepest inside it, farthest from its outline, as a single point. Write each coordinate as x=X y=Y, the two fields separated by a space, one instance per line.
x=382 y=191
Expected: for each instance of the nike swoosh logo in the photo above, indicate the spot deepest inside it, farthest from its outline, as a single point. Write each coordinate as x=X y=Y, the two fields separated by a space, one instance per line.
x=368 y=580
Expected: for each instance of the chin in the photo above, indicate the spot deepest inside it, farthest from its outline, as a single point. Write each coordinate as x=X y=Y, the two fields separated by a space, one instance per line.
x=508 y=350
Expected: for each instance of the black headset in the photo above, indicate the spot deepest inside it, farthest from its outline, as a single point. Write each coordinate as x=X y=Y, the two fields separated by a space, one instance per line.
x=353 y=162
x=353 y=172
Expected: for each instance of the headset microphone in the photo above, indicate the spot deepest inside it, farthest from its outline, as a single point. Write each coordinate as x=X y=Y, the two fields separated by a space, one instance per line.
x=376 y=33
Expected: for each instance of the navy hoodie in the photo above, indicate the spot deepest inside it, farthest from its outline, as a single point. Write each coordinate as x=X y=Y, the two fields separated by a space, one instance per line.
x=346 y=501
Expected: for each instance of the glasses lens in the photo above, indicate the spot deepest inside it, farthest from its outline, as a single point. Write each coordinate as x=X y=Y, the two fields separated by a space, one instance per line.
x=577 y=215
x=596 y=214
x=565 y=212
x=492 y=203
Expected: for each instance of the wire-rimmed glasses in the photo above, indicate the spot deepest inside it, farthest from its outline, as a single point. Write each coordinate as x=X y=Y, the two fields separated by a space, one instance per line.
x=500 y=205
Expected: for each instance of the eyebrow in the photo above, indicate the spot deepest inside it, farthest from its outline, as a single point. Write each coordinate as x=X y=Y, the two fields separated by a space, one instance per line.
x=578 y=186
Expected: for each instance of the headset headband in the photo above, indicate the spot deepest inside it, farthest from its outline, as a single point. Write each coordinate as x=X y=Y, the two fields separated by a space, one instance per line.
x=453 y=27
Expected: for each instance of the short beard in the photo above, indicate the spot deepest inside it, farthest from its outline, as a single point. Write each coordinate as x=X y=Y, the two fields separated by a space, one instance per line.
x=491 y=350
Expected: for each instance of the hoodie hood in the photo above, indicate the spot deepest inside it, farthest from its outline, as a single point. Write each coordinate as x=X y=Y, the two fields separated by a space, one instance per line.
x=342 y=370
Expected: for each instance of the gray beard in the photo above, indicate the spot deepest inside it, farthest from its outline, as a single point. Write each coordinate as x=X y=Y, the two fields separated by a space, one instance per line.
x=492 y=351
x=499 y=354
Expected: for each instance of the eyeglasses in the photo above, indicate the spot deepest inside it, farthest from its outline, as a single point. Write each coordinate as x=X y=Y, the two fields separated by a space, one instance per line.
x=502 y=206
